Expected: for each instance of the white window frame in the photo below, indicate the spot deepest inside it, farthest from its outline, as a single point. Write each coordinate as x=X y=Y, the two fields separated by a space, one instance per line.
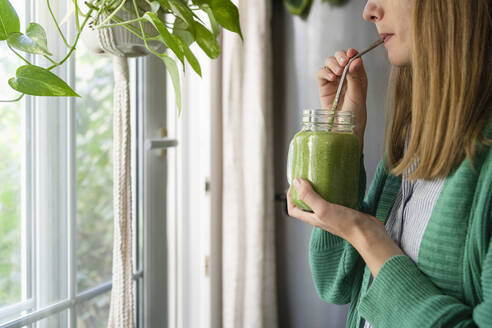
x=193 y=203
x=152 y=191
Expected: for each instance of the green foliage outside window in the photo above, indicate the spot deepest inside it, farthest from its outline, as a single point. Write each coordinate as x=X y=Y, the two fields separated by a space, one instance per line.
x=94 y=121
x=94 y=132
x=10 y=195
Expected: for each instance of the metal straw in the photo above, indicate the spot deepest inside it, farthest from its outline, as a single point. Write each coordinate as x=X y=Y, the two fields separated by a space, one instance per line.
x=345 y=70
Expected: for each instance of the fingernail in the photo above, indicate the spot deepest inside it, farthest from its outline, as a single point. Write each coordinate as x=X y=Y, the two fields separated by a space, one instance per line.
x=297 y=182
x=331 y=76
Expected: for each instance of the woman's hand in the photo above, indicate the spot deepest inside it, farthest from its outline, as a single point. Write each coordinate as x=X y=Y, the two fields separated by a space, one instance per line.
x=365 y=232
x=354 y=92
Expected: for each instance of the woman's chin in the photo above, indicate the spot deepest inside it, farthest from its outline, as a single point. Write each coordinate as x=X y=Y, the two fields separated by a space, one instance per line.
x=398 y=59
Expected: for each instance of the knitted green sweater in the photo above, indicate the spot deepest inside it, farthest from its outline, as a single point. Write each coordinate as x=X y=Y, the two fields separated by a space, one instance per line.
x=451 y=286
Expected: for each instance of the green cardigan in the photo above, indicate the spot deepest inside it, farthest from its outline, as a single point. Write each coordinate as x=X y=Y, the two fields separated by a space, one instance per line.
x=451 y=286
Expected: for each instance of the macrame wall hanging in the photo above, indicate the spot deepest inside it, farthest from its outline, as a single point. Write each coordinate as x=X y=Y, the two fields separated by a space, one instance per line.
x=120 y=45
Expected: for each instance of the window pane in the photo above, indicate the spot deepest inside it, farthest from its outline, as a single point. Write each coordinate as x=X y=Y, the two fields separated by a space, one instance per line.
x=58 y=320
x=11 y=145
x=94 y=169
x=94 y=313
x=11 y=157
x=12 y=316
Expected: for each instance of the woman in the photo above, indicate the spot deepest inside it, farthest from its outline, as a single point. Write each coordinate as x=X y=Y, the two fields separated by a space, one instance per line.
x=417 y=250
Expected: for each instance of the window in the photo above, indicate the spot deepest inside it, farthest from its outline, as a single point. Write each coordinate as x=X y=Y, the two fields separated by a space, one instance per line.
x=14 y=256
x=56 y=215
x=94 y=171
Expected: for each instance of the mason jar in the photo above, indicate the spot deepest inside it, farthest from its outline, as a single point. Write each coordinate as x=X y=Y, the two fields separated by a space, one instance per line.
x=326 y=152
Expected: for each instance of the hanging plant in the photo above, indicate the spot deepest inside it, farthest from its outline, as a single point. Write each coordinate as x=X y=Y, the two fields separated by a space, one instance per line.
x=301 y=7
x=175 y=26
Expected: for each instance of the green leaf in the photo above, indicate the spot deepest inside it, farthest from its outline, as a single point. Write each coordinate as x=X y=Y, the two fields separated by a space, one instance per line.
x=172 y=68
x=166 y=36
x=37 y=34
x=206 y=40
x=211 y=17
x=297 y=7
x=201 y=2
x=33 y=42
x=227 y=15
x=9 y=21
x=336 y=2
x=182 y=11
x=25 y=43
x=180 y=29
x=165 y=3
x=190 y=57
x=154 y=6
x=90 y=5
x=37 y=81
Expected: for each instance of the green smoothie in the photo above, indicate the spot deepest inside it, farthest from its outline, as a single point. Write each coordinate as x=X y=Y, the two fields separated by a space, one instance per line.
x=330 y=161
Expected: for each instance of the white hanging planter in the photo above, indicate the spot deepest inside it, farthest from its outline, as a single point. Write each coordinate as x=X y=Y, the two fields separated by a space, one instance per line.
x=118 y=40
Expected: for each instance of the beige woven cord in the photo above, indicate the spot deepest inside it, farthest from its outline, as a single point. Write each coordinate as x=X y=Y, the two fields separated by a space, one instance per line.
x=120 y=44
x=121 y=309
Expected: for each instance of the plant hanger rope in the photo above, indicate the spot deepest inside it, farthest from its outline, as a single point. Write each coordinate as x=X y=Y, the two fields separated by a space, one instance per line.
x=122 y=303
x=120 y=44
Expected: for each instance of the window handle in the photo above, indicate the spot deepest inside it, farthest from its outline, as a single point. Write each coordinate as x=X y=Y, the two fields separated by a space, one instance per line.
x=161 y=143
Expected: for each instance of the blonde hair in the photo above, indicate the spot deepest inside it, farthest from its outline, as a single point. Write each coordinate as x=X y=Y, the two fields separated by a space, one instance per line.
x=443 y=100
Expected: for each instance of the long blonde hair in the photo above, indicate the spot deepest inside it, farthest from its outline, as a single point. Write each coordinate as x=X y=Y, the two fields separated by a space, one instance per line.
x=443 y=100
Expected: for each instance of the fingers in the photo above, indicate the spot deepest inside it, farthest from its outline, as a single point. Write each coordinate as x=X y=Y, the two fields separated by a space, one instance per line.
x=352 y=52
x=332 y=64
x=355 y=66
x=330 y=72
x=335 y=65
x=306 y=193
x=341 y=57
x=356 y=72
x=326 y=75
x=357 y=63
x=356 y=77
x=290 y=204
x=298 y=213
x=327 y=216
x=328 y=79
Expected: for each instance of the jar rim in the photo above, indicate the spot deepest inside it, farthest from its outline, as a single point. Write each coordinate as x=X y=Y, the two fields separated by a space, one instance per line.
x=326 y=112
x=323 y=116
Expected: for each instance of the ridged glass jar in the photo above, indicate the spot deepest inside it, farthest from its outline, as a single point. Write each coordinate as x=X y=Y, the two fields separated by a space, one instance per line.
x=326 y=152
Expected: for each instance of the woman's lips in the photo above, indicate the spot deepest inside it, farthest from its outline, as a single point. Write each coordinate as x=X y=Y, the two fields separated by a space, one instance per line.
x=386 y=37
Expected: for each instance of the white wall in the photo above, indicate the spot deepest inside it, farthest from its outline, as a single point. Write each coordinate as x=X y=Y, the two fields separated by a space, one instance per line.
x=300 y=48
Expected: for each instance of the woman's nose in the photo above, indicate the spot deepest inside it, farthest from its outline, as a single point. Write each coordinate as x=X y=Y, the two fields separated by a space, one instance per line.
x=372 y=12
